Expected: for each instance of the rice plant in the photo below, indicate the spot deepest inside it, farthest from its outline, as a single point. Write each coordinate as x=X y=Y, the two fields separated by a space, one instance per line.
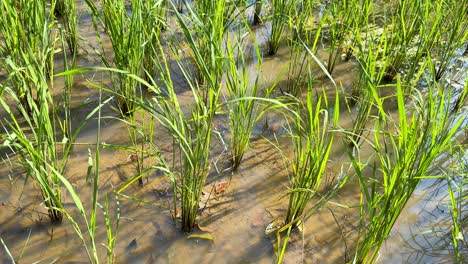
x=457 y=196
x=243 y=112
x=192 y=133
x=25 y=30
x=257 y=19
x=27 y=83
x=339 y=19
x=281 y=10
x=403 y=156
x=312 y=130
x=404 y=29
x=311 y=139
x=370 y=55
x=40 y=149
x=154 y=22
x=126 y=32
x=204 y=29
x=452 y=34
x=303 y=34
x=66 y=10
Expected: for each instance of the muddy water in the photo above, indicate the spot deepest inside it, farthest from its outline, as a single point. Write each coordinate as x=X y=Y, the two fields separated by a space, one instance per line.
x=235 y=217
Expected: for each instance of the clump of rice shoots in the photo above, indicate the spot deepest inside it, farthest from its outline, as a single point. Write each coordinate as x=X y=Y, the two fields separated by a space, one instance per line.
x=452 y=34
x=126 y=32
x=36 y=143
x=370 y=55
x=66 y=10
x=244 y=110
x=25 y=29
x=191 y=133
x=303 y=34
x=312 y=137
x=339 y=19
x=405 y=23
x=257 y=19
x=281 y=10
x=208 y=24
x=154 y=12
x=405 y=151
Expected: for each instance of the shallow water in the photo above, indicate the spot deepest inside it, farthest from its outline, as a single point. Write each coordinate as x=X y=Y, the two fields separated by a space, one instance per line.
x=236 y=218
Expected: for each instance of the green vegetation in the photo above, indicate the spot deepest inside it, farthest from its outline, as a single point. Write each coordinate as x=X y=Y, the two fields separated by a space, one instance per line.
x=403 y=157
x=378 y=80
x=244 y=110
x=281 y=10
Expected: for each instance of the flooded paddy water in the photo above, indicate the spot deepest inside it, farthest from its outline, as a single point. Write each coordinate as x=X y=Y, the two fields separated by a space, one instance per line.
x=236 y=207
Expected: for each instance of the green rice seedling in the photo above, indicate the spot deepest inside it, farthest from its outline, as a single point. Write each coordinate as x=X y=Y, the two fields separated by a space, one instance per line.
x=404 y=153
x=25 y=29
x=362 y=11
x=36 y=109
x=281 y=10
x=42 y=139
x=204 y=31
x=154 y=23
x=191 y=133
x=218 y=11
x=339 y=18
x=370 y=55
x=312 y=139
x=431 y=25
x=133 y=37
x=452 y=34
x=457 y=195
x=180 y=6
x=41 y=164
x=126 y=32
x=303 y=34
x=312 y=131
x=257 y=19
x=243 y=113
x=66 y=10
x=404 y=28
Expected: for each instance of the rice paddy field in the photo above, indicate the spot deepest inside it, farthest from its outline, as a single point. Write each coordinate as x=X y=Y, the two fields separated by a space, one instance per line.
x=210 y=131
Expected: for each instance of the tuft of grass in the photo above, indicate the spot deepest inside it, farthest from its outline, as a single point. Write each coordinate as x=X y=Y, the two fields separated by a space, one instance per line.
x=127 y=34
x=204 y=29
x=312 y=140
x=244 y=110
x=452 y=34
x=35 y=113
x=26 y=34
x=339 y=18
x=370 y=55
x=281 y=10
x=191 y=133
x=404 y=153
x=257 y=19
x=153 y=15
x=312 y=131
x=403 y=31
x=304 y=33
x=66 y=10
